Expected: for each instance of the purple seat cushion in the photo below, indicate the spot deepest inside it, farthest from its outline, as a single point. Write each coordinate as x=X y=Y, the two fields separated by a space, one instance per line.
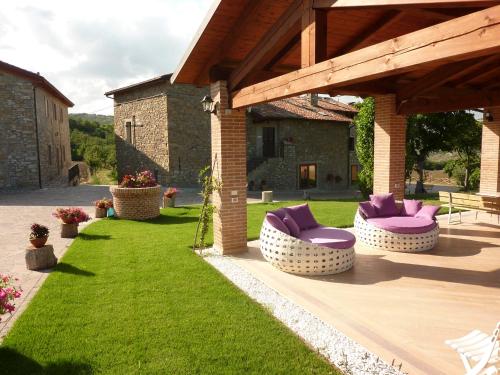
x=367 y=209
x=303 y=216
x=403 y=224
x=384 y=204
x=277 y=223
x=329 y=237
x=291 y=225
x=410 y=207
x=428 y=212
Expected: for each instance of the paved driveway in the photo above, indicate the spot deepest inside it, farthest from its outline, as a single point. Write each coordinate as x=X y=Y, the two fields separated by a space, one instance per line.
x=18 y=210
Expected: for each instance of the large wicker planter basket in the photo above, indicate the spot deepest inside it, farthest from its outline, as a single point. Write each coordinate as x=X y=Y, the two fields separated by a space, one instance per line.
x=136 y=203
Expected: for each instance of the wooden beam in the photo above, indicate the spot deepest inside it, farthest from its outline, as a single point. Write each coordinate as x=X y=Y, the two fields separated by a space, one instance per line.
x=487 y=65
x=343 y=4
x=264 y=49
x=474 y=35
x=440 y=76
x=386 y=21
x=451 y=99
x=487 y=74
x=313 y=36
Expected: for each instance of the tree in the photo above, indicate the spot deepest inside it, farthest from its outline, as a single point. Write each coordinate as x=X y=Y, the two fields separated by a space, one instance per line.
x=364 y=122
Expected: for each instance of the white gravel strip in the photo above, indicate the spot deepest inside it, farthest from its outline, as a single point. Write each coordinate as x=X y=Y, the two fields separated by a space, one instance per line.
x=339 y=349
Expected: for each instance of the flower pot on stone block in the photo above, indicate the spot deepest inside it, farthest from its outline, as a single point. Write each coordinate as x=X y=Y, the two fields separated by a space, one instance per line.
x=102 y=206
x=169 y=197
x=41 y=258
x=39 y=235
x=70 y=218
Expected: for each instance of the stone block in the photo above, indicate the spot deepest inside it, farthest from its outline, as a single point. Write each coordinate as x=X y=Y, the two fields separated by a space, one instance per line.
x=41 y=258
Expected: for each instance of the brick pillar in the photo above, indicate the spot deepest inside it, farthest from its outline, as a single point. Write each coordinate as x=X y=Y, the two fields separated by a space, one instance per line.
x=490 y=153
x=390 y=148
x=229 y=146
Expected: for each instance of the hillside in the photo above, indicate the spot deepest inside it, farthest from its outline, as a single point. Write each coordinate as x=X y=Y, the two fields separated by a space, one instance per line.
x=93 y=141
x=100 y=119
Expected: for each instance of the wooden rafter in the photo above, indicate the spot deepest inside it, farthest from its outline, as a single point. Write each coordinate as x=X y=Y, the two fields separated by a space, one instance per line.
x=440 y=76
x=474 y=35
x=230 y=40
x=487 y=65
x=483 y=76
x=385 y=22
x=281 y=33
x=313 y=36
x=451 y=99
x=339 y=4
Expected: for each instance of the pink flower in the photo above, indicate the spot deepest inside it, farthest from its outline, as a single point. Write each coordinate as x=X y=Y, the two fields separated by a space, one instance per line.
x=3 y=295
x=17 y=294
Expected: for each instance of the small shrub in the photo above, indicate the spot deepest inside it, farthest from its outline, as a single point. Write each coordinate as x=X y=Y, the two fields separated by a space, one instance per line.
x=71 y=215
x=8 y=293
x=139 y=180
x=104 y=203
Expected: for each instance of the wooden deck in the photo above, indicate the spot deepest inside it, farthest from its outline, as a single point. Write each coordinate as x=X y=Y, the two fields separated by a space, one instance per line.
x=403 y=306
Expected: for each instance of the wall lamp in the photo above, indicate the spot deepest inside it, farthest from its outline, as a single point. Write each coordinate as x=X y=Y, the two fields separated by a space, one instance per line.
x=209 y=106
x=488 y=115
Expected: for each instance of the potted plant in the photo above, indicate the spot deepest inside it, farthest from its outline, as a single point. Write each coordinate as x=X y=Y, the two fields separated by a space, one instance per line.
x=137 y=197
x=8 y=293
x=71 y=218
x=39 y=235
x=169 y=197
x=102 y=206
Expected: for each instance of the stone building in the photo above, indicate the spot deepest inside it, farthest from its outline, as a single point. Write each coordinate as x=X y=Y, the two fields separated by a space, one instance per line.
x=35 y=147
x=301 y=143
x=298 y=143
x=161 y=127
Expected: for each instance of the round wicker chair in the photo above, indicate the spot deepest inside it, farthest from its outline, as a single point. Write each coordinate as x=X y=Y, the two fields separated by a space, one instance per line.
x=292 y=255
x=381 y=239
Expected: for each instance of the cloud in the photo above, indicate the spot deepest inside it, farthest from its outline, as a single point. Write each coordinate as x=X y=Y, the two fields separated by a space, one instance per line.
x=88 y=47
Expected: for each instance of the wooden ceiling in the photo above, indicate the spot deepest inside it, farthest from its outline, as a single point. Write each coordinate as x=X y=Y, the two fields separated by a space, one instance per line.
x=247 y=42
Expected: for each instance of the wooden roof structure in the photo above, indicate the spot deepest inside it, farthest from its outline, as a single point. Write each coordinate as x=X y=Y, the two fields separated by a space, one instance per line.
x=435 y=55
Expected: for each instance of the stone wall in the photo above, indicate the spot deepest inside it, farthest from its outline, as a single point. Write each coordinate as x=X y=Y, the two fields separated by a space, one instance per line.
x=172 y=136
x=54 y=139
x=301 y=142
x=18 y=153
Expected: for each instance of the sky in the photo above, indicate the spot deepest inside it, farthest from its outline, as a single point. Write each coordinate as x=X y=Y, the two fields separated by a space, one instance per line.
x=86 y=48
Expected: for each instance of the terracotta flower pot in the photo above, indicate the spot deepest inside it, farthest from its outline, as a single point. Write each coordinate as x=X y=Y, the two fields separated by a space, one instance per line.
x=39 y=242
x=100 y=212
x=69 y=230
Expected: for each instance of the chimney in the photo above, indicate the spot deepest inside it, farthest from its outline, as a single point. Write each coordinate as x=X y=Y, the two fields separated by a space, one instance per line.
x=313 y=99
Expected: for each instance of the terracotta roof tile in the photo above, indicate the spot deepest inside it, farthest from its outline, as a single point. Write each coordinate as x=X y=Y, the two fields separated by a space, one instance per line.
x=328 y=109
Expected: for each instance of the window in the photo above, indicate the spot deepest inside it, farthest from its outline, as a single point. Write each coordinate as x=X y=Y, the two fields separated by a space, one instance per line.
x=60 y=114
x=54 y=111
x=128 y=131
x=351 y=144
x=49 y=154
x=354 y=173
x=307 y=176
x=268 y=142
x=46 y=106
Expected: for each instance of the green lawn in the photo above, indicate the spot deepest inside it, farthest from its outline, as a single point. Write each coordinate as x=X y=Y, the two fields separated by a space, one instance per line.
x=131 y=298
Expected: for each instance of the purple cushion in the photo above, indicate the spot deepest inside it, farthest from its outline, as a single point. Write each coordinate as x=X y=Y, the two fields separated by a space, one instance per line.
x=291 y=225
x=428 y=212
x=276 y=222
x=384 y=204
x=329 y=237
x=403 y=224
x=367 y=209
x=303 y=216
x=410 y=207
x=280 y=212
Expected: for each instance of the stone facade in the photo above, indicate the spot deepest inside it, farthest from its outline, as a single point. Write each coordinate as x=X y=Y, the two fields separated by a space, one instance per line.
x=35 y=147
x=323 y=144
x=162 y=128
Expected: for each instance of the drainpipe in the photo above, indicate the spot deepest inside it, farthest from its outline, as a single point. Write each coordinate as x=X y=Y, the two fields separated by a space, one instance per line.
x=37 y=140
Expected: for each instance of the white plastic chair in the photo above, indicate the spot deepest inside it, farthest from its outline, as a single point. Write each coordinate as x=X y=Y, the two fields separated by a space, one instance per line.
x=478 y=350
